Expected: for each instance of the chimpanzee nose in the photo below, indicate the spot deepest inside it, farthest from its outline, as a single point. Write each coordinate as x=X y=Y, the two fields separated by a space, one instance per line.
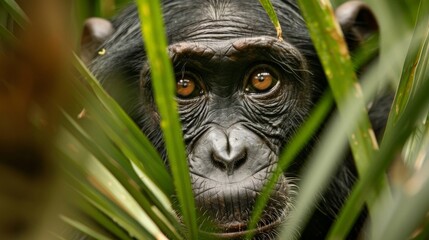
x=228 y=151
x=229 y=154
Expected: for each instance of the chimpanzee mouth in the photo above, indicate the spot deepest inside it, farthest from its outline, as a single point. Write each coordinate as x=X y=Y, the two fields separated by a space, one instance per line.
x=228 y=207
x=236 y=231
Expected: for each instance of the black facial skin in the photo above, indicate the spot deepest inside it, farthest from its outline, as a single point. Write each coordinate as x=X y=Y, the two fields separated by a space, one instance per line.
x=234 y=132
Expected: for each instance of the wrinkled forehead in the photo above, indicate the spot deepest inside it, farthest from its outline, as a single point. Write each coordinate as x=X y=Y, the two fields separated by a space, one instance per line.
x=233 y=49
x=204 y=20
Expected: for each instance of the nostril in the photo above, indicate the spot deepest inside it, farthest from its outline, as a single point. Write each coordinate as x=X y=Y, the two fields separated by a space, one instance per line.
x=240 y=160
x=229 y=162
x=219 y=162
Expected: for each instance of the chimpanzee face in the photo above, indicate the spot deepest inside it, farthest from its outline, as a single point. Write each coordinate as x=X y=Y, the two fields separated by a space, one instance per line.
x=241 y=94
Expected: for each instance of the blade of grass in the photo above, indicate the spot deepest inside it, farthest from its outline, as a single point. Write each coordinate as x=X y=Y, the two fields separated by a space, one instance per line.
x=4 y=16
x=80 y=13
x=104 y=149
x=84 y=228
x=164 y=87
x=141 y=193
x=411 y=205
x=322 y=165
x=56 y=236
x=93 y=183
x=108 y=207
x=120 y=127
x=121 y=3
x=104 y=191
x=264 y=196
x=273 y=17
x=424 y=233
x=102 y=219
x=128 y=145
x=105 y=8
x=390 y=146
x=412 y=154
x=16 y=12
x=7 y=36
x=332 y=50
x=415 y=150
x=303 y=135
x=407 y=83
x=327 y=156
x=364 y=53
x=396 y=134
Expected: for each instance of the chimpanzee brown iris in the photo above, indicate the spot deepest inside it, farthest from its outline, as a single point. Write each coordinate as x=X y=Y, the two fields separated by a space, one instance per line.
x=261 y=80
x=185 y=87
x=242 y=94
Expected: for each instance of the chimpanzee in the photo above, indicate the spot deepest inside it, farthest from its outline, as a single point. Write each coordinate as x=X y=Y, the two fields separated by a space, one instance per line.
x=242 y=94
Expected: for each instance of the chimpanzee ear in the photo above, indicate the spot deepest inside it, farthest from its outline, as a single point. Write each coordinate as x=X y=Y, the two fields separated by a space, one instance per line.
x=95 y=32
x=357 y=22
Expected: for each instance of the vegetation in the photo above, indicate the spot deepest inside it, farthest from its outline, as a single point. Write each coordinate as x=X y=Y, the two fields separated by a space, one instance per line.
x=120 y=181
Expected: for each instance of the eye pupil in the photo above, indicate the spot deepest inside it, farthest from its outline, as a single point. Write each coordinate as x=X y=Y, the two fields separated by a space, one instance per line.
x=184 y=83
x=262 y=76
x=260 y=80
x=186 y=87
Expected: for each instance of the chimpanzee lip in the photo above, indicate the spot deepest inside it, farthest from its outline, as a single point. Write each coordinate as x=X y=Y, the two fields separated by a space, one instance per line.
x=242 y=233
x=271 y=220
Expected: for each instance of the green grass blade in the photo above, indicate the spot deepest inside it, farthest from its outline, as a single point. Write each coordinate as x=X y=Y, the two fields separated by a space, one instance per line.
x=414 y=57
x=123 y=130
x=273 y=17
x=393 y=138
x=302 y=136
x=416 y=67
x=94 y=184
x=110 y=208
x=164 y=87
x=424 y=233
x=6 y=35
x=403 y=217
x=143 y=195
x=333 y=53
x=85 y=229
x=56 y=236
x=102 y=219
x=16 y=12
x=332 y=50
x=366 y=52
x=390 y=146
x=306 y=131
x=128 y=145
x=322 y=165
x=108 y=154
x=328 y=154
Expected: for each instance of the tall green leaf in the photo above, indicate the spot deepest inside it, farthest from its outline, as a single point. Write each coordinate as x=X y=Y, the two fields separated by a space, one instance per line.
x=333 y=52
x=407 y=109
x=291 y=151
x=16 y=12
x=122 y=130
x=163 y=83
x=273 y=16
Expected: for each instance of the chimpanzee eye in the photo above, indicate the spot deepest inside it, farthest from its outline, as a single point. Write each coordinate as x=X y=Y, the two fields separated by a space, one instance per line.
x=187 y=86
x=261 y=79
